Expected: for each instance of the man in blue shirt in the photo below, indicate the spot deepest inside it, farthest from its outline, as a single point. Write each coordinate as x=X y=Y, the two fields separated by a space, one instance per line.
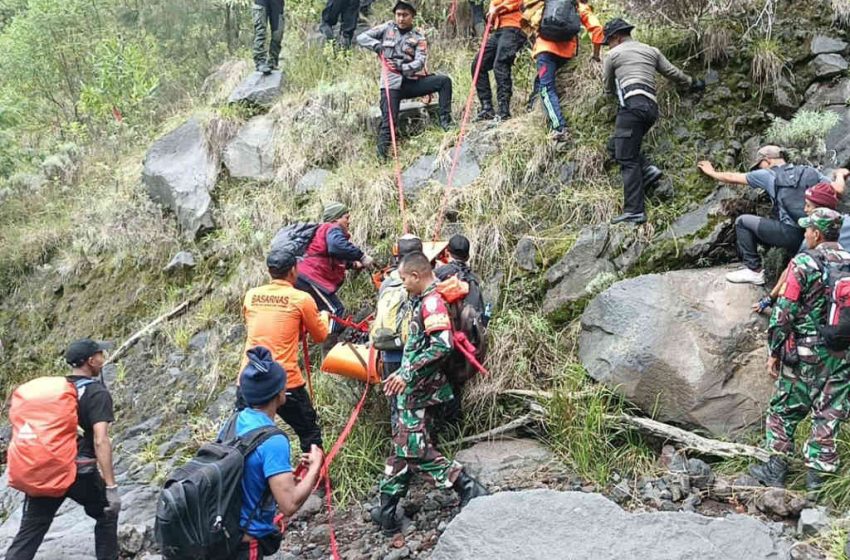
x=268 y=470
x=785 y=184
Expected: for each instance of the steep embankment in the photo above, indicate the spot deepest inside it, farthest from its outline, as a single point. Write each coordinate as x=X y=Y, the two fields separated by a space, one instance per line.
x=92 y=259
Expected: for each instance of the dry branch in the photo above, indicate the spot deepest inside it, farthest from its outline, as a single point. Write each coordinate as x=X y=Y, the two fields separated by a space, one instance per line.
x=692 y=441
x=514 y=424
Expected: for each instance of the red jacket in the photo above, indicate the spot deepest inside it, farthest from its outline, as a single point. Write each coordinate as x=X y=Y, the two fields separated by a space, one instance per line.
x=324 y=265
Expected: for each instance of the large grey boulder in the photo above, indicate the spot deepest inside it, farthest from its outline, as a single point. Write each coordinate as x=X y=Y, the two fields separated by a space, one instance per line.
x=821 y=44
x=411 y=113
x=541 y=524
x=251 y=154
x=826 y=66
x=258 y=89
x=180 y=172
x=684 y=346
x=431 y=168
x=504 y=460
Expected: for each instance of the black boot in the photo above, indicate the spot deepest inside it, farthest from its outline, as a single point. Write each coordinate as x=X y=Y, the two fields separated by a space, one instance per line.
x=772 y=473
x=446 y=122
x=486 y=113
x=504 y=110
x=651 y=175
x=468 y=488
x=814 y=483
x=634 y=218
x=384 y=515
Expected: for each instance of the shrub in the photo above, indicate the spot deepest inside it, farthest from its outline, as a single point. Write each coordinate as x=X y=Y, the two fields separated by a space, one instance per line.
x=806 y=131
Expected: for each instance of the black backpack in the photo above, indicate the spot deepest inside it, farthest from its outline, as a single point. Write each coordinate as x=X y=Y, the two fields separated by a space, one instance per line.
x=197 y=515
x=560 y=21
x=295 y=238
x=791 y=184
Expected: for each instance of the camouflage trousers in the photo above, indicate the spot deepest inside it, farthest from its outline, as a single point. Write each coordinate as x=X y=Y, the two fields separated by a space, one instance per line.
x=820 y=384
x=263 y=19
x=414 y=452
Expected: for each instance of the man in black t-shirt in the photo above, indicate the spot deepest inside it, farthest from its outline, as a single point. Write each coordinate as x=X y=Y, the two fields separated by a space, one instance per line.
x=95 y=491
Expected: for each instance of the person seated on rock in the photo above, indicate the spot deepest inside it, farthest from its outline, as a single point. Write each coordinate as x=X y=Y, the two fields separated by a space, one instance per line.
x=267 y=14
x=419 y=385
x=629 y=73
x=347 y=10
x=550 y=57
x=94 y=487
x=810 y=377
x=321 y=273
x=403 y=51
x=822 y=195
x=275 y=317
x=458 y=249
x=786 y=186
x=268 y=470
x=505 y=41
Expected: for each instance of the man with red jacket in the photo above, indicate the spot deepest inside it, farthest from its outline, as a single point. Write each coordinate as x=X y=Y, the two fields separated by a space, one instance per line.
x=500 y=52
x=322 y=271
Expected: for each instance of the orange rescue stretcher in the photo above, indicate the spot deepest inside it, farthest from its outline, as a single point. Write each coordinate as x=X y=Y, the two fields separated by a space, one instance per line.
x=355 y=361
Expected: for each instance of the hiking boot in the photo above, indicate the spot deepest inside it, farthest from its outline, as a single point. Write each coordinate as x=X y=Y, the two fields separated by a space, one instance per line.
x=635 y=218
x=772 y=473
x=504 y=111
x=486 y=113
x=746 y=276
x=327 y=31
x=384 y=515
x=814 y=483
x=529 y=105
x=264 y=68
x=651 y=175
x=446 y=123
x=345 y=41
x=468 y=488
x=383 y=153
x=560 y=136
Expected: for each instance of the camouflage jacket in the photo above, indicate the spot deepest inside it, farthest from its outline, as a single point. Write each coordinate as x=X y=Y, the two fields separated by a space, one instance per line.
x=802 y=303
x=428 y=344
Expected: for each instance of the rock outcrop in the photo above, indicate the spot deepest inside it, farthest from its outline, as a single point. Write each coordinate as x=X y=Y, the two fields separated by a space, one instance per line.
x=258 y=89
x=684 y=346
x=180 y=172
x=251 y=154
x=833 y=96
x=549 y=524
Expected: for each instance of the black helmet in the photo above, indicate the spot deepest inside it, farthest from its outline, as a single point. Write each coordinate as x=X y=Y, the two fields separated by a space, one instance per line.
x=409 y=4
x=615 y=26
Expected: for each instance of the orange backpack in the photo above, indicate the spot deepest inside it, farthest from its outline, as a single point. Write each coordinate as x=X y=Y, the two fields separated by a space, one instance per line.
x=42 y=456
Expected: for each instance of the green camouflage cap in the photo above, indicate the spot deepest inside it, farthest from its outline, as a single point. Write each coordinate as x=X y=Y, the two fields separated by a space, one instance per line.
x=824 y=220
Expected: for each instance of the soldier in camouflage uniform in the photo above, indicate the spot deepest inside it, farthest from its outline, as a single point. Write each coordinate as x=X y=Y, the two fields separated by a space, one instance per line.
x=267 y=13
x=418 y=385
x=809 y=376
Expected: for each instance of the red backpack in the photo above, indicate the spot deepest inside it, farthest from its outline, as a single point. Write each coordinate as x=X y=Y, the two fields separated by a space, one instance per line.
x=42 y=455
x=836 y=328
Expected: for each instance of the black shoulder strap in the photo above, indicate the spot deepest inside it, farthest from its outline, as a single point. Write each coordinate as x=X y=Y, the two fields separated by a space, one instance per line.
x=248 y=442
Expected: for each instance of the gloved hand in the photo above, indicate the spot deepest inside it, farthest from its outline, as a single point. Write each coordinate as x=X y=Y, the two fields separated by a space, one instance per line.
x=114 y=501
x=367 y=261
x=698 y=84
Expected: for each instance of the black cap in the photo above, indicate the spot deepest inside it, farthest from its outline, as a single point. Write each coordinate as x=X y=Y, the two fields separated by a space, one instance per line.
x=615 y=26
x=81 y=350
x=459 y=247
x=281 y=259
x=408 y=243
x=409 y=4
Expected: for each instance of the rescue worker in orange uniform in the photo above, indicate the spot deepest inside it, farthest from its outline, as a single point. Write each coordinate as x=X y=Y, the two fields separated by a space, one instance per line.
x=551 y=56
x=276 y=315
x=500 y=52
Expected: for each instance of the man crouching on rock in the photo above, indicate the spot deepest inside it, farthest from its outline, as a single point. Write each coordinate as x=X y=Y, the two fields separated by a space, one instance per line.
x=418 y=385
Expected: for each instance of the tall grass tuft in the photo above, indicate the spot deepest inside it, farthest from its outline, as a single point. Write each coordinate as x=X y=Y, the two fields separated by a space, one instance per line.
x=767 y=64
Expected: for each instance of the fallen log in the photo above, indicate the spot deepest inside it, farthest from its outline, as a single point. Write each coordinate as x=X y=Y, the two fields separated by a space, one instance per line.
x=130 y=342
x=514 y=424
x=690 y=440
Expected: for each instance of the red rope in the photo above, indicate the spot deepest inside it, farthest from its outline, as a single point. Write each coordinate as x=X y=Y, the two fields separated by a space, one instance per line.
x=362 y=326
x=463 y=124
x=399 y=182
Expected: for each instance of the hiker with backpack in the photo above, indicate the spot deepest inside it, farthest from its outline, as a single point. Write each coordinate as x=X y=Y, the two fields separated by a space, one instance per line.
x=499 y=55
x=276 y=315
x=786 y=185
x=628 y=72
x=221 y=504
x=556 y=45
x=418 y=386
x=328 y=256
x=810 y=365
x=49 y=462
x=403 y=51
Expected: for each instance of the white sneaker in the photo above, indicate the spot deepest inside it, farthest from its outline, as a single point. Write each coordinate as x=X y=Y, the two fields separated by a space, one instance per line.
x=746 y=276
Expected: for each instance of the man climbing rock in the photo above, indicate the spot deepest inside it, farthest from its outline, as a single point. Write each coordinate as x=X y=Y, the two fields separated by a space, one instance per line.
x=322 y=271
x=336 y=10
x=267 y=14
x=268 y=470
x=418 y=386
x=550 y=57
x=811 y=378
x=275 y=317
x=786 y=186
x=403 y=51
x=629 y=73
x=94 y=487
x=499 y=55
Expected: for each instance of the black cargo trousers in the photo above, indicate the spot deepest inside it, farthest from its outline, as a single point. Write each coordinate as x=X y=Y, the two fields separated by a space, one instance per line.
x=634 y=119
